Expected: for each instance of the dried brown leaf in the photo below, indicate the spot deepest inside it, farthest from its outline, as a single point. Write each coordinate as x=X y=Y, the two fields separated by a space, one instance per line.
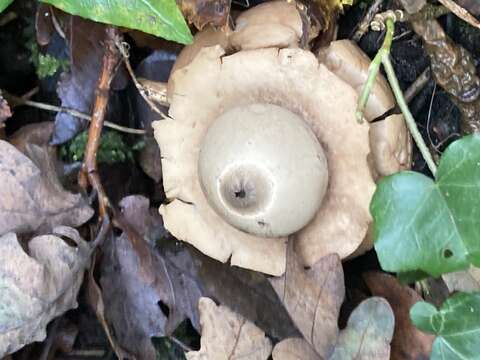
x=227 y=335
x=32 y=198
x=44 y=24
x=145 y=298
x=453 y=68
x=368 y=333
x=294 y=349
x=76 y=88
x=468 y=280
x=472 y=6
x=413 y=6
x=313 y=298
x=246 y=292
x=39 y=285
x=203 y=12
x=95 y=299
x=408 y=343
x=460 y=12
x=36 y=133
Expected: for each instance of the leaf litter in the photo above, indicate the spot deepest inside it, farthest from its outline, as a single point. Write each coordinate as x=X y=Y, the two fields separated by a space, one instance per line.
x=144 y=284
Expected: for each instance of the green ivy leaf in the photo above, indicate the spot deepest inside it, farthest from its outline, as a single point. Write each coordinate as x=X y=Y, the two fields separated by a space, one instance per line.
x=456 y=325
x=4 y=4
x=158 y=17
x=432 y=227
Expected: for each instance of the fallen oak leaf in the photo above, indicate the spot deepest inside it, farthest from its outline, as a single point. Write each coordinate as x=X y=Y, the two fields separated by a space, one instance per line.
x=38 y=286
x=227 y=335
x=32 y=198
x=248 y=293
x=368 y=333
x=294 y=349
x=366 y=337
x=408 y=342
x=313 y=298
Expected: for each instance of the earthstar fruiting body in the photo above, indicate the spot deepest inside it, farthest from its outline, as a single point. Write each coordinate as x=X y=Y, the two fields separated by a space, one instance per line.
x=235 y=202
x=263 y=170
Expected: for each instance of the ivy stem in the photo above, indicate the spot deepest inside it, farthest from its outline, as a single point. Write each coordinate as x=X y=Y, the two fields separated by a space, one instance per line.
x=412 y=126
x=383 y=57
x=374 y=68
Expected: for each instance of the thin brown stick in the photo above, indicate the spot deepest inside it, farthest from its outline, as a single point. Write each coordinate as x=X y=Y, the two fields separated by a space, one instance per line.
x=89 y=173
x=15 y=101
x=418 y=85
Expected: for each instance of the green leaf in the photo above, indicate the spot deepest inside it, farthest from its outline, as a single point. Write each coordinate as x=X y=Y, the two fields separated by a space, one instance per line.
x=158 y=17
x=434 y=227
x=4 y=4
x=456 y=325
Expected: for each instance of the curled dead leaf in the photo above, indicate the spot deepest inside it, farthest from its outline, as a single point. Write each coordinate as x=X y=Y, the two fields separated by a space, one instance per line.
x=32 y=198
x=39 y=285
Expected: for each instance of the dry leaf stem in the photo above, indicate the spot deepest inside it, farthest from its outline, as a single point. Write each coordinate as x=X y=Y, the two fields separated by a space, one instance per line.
x=89 y=173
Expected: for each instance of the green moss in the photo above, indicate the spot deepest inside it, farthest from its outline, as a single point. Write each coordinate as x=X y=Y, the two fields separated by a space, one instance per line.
x=45 y=64
x=113 y=148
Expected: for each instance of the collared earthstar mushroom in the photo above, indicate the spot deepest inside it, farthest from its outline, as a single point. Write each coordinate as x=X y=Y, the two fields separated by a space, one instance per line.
x=263 y=143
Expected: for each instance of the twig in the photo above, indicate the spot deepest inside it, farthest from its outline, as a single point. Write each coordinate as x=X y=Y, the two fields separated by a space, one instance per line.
x=180 y=344
x=23 y=101
x=123 y=48
x=89 y=173
x=418 y=84
x=30 y=93
x=367 y=19
x=7 y=18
